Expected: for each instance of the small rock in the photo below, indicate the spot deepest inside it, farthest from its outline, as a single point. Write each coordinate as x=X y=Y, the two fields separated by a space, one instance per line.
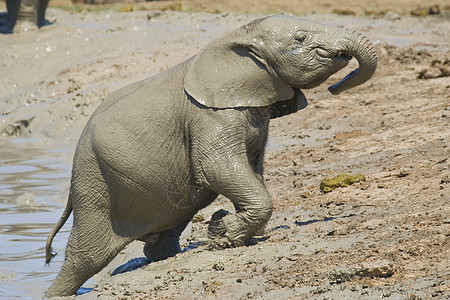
x=423 y=12
x=419 y=12
x=370 y=269
x=324 y=127
x=402 y=173
x=329 y=184
x=343 y=12
x=330 y=232
x=18 y=128
x=218 y=266
x=391 y=16
x=434 y=10
x=434 y=72
x=198 y=218
x=126 y=8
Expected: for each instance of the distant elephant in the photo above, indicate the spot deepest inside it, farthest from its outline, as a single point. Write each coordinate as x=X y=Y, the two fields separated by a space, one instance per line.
x=157 y=151
x=32 y=11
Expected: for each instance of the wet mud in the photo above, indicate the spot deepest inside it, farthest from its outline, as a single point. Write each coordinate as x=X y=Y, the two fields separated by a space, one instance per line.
x=385 y=237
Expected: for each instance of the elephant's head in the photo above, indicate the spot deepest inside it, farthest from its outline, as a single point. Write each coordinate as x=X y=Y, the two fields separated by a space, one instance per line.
x=271 y=59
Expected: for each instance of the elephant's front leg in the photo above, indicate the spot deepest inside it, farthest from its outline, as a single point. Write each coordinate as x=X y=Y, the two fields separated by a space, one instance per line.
x=253 y=211
x=236 y=179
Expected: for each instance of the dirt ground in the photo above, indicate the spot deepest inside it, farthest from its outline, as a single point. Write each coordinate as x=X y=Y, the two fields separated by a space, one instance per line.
x=297 y=7
x=385 y=237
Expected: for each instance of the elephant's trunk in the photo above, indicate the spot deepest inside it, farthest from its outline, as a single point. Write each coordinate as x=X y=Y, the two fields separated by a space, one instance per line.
x=360 y=48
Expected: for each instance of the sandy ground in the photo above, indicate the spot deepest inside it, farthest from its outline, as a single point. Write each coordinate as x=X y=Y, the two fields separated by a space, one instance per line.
x=387 y=237
x=298 y=7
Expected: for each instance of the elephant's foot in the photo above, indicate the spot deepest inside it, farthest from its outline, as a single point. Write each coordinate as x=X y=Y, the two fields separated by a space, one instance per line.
x=217 y=231
x=226 y=229
x=5 y=26
x=167 y=245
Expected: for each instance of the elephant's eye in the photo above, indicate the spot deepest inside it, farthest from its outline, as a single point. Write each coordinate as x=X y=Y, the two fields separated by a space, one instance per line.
x=300 y=39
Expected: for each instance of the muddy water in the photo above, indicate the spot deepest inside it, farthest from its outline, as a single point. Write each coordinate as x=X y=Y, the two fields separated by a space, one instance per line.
x=33 y=187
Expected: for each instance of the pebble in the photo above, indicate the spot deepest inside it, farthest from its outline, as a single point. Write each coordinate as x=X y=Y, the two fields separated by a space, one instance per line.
x=380 y=268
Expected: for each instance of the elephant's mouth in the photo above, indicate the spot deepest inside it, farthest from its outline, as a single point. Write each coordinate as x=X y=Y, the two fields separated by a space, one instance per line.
x=343 y=55
x=341 y=58
x=336 y=54
x=332 y=62
x=335 y=60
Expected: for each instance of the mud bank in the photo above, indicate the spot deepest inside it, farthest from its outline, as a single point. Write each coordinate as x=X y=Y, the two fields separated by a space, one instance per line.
x=384 y=237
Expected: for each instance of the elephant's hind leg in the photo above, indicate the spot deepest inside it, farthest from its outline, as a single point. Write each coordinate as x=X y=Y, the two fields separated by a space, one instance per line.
x=89 y=250
x=167 y=243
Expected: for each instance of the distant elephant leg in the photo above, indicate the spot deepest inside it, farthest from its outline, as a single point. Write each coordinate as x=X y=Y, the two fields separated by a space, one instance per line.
x=32 y=11
x=11 y=4
x=167 y=244
x=12 y=7
x=41 y=12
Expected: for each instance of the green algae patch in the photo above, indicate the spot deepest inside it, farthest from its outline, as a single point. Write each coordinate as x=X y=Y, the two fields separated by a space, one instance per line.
x=329 y=184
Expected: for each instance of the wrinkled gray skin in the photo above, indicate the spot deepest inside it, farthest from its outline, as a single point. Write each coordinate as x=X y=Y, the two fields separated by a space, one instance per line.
x=24 y=11
x=156 y=152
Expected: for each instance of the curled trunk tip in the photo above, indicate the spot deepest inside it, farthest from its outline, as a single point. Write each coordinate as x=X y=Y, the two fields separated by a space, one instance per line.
x=360 y=48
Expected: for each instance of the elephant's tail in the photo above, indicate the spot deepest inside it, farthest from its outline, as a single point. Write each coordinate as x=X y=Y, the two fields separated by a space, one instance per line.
x=49 y=254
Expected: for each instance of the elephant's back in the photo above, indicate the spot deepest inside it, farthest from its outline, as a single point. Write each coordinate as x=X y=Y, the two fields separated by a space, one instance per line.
x=145 y=122
x=155 y=90
x=140 y=140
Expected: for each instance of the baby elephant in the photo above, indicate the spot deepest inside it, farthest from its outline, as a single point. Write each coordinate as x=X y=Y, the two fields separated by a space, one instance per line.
x=157 y=151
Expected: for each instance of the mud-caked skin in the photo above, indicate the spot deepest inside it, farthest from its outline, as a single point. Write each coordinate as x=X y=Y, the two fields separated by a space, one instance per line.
x=157 y=151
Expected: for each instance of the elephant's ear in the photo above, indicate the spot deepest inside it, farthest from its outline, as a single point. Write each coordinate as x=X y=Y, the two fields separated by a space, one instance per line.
x=287 y=107
x=228 y=74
